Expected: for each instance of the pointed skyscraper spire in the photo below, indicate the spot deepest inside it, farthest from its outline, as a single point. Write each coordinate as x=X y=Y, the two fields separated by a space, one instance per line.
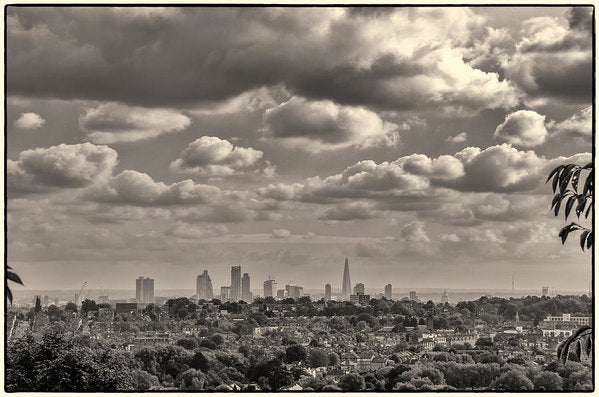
x=346 y=286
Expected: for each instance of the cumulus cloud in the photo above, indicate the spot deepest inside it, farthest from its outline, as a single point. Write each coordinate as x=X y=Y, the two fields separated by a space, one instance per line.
x=62 y=166
x=323 y=125
x=459 y=138
x=414 y=232
x=370 y=250
x=210 y=155
x=401 y=59
x=114 y=122
x=451 y=237
x=29 y=121
x=578 y=126
x=523 y=128
x=136 y=188
x=554 y=57
x=280 y=234
x=187 y=231
x=350 y=211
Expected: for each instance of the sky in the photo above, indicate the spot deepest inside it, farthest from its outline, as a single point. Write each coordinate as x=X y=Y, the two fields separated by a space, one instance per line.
x=414 y=141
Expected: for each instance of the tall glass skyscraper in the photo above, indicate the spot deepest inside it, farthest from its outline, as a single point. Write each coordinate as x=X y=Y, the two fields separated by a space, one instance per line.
x=144 y=290
x=270 y=287
x=246 y=294
x=235 y=293
x=346 y=286
x=204 y=286
x=327 y=292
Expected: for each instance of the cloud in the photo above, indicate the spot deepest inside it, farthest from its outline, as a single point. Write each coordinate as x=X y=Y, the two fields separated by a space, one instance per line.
x=350 y=211
x=554 y=57
x=29 y=121
x=523 y=128
x=443 y=167
x=401 y=59
x=323 y=125
x=451 y=237
x=114 y=122
x=370 y=250
x=579 y=125
x=213 y=156
x=459 y=138
x=136 y=188
x=62 y=166
x=280 y=234
x=414 y=232
x=187 y=231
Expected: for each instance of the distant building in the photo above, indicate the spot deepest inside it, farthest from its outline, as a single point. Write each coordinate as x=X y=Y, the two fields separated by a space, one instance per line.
x=413 y=296
x=125 y=308
x=270 y=287
x=144 y=290
x=294 y=291
x=568 y=318
x=235 y=292
x=246 y=294
x=359 y=289
x=281 y=293
x=204 y=286
x=346 y=285
x=103 y=299
x=444 y=297
x=359 y=299
x=225 y=293
x=545 y=291
x=388 y=291
x=327 y=292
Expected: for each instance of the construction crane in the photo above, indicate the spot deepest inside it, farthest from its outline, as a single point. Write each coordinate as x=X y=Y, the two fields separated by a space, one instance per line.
x=78 y=294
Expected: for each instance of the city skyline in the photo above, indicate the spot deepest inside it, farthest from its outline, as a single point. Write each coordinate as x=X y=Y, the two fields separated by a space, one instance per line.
x=287 y=139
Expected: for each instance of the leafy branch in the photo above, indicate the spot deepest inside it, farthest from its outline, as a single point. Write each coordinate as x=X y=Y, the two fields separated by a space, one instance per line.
x=14 y=277
x=565 y=184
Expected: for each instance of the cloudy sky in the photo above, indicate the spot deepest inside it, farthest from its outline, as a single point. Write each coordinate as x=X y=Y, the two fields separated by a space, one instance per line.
x=415 y=141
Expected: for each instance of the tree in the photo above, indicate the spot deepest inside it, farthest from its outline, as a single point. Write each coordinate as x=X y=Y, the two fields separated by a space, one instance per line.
x=333 y=359
x=295 y=353
x=548 y=381
x=191 y=379
x=566 y=185
x=187 y=343
x=352 y=382
x=70 y=307
x=14 y=277
x=513 y=380
x=318 y=358
x=88 y=305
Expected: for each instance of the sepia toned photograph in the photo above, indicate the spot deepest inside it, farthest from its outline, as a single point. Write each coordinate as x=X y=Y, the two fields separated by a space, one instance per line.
x=299 y=198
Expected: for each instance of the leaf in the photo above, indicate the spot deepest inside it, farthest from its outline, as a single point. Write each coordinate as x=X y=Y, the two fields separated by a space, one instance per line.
x=583 y=238
x=554 y=183
x=569 y=205
x=13 y=277
x=556 y=169
x=557 y=205
x=564 y=178
x=588 y=185
x=564 y=233
x=590 y=240
x=589 y=165
x=580 y=207
x=575 y=177
x=555 y=199
x=9 y=294
x=586 y=215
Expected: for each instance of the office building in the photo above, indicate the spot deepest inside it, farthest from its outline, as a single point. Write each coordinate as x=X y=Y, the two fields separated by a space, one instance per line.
x=359 y=289
x=204 y=286
x=144 y=290
x=413 y=296
x=388 y=292
x=327 y=292
x=125 y=308
x=246 y=294
x=235 y=292
x=545 y=291
x=281 y=293
x=579 y=321
x=294 y=291
x=270 y=287
x=346 y=285
x=225 y=293
x=359 y=299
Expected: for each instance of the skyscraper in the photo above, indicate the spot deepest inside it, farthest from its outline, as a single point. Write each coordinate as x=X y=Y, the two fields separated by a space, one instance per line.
x=444 y=297
x=294 y=291
x=413 y=296
x=246 y=295
x=327 y=292
x=204 y=286
x=270 y=287
x=346 y=286
x=144 y=290
x=235 y=292
x=545 y=291
x=225 y=293
x=388 y=292
x=359 y=289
